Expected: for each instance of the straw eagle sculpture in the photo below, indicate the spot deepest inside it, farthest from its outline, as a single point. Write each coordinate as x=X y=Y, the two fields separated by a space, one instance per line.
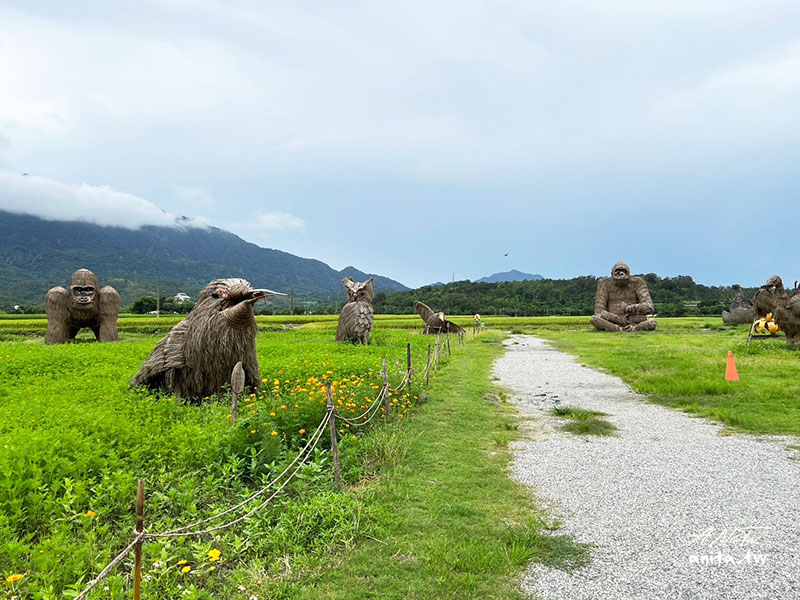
x=196 y=357
x=435 y=322
x=355 y=320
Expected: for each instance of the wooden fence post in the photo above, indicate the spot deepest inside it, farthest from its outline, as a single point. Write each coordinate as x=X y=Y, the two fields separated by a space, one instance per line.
x=386 y=405
x=428 y=368
x=137 y=557
x=449 y=352
x=237 y=385
x=437 y=355
x=408 y=362
x=337 y=477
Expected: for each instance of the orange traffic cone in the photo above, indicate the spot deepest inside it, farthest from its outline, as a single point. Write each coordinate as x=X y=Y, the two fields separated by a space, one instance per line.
x=731 y=374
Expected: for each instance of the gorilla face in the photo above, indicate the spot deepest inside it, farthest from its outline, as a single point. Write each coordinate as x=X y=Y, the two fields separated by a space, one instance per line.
x=82 y=295
x=621 y=273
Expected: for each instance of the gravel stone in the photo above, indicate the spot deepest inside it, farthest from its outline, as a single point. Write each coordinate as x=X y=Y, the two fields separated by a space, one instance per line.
x=673 y=509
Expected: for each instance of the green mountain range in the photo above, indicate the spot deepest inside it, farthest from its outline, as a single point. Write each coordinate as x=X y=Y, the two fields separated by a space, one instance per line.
x=36 y=254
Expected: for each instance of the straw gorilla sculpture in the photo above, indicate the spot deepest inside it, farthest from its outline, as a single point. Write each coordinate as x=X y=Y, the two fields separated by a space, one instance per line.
x=82 y=306
x=196 y=357
x=355 y=320
x=622 y=302
x=435 y=322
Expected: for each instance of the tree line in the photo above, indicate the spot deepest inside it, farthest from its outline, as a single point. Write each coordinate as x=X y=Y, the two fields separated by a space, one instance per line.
x=673 y=297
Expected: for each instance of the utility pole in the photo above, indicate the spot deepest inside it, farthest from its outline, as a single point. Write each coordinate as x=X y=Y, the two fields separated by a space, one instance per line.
x=158 y=298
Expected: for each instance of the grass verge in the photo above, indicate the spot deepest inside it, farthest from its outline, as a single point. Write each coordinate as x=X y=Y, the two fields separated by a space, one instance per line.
x=446 y=521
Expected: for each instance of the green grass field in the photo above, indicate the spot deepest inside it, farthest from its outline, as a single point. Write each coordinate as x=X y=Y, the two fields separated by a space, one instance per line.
x=682 y=364
x=426 y=510
x=74 y=439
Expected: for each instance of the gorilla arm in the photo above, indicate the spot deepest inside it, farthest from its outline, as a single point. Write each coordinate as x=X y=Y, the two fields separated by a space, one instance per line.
x=644 y=304
x=57 y=307
x=109 y=311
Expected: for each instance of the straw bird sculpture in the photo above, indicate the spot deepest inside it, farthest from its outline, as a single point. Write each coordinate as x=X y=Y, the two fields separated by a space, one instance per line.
x=784 y=306
x=435 y=322
x=769 y=296
x=196 y=357
x=355 y=320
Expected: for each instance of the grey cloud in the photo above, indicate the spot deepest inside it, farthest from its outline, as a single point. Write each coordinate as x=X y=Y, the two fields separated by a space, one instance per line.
x=100 y=204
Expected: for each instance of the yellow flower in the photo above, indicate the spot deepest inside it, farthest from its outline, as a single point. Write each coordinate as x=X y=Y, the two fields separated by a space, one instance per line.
x=302 y=431
x=186 y=569
x=182 y=561
x=14 y=577
x=90 y=513
x=213 y=555
x=253 y=430
x=274 y=433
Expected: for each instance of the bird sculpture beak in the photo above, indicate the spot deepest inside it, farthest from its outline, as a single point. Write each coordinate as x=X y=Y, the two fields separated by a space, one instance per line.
x=263 y=293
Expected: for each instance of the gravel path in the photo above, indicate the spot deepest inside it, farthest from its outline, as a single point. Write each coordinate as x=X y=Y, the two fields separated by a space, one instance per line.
x=673 y=508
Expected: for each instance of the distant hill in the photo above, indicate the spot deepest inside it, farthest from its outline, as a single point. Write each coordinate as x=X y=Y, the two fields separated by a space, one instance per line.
x=512 y=275
x=36 y=255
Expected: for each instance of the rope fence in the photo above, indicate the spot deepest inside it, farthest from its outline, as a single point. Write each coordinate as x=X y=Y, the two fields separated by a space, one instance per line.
x=285 y=477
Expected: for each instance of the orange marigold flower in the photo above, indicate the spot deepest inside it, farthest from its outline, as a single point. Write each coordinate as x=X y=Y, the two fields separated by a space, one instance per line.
x=90 y=513
x=302 y=431
x=14 y=577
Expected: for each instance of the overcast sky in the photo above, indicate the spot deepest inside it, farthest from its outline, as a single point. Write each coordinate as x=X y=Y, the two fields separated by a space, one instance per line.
x=420 y=140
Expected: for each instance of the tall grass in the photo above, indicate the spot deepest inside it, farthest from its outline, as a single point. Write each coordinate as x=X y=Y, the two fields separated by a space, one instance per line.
x=74 y=439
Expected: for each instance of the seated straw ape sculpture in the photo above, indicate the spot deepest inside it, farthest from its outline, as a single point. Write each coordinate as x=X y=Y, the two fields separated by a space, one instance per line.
x=197 y=356
x=785 y=307
x=741 y=309
x=82 y=306
x=622 y=302
x=435 y=322
x=355 y=320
